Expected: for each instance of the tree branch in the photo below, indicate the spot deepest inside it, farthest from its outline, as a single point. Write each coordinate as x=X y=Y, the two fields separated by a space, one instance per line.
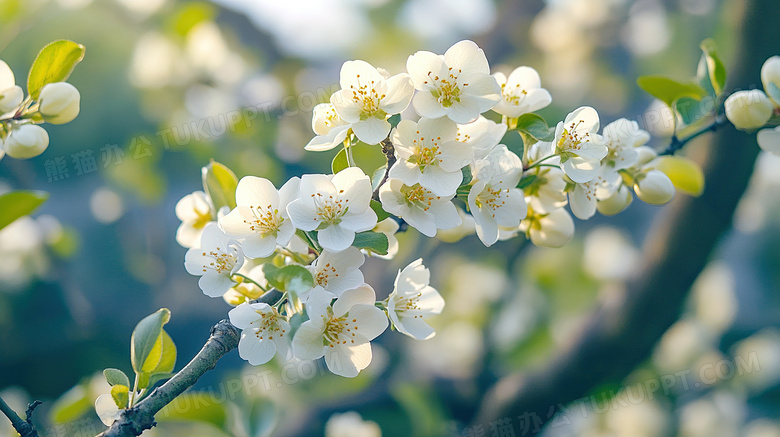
x=623 y=330
x=223 y=339
x=24 y=427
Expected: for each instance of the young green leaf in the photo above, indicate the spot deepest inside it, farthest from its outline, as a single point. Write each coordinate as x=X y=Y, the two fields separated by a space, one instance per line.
x=669 y=90
x=220 y=183
x=711 y=69
x=161 y=361
x=116 y=377
x=19 y=203
x=145 y=336
x=292 y=278
x=55 y=63
x=373 y=241
x=121 y=395
x=340 y=161
x=381 y=214
x=72 y=405
x=467 y=176
x=535 y=126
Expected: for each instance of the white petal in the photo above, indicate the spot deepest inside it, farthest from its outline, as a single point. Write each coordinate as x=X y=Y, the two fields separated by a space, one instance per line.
x=105 y=407
x=370 y=320
x=365 y=221
x=446 y=215
x=769 y=140
x=422 y=65
x=302 y=215
x=254 y=350
x=582 y=203
x=464 y=111
x=416 y=328
x=430 y=301
x=348 y=361
x=526 y=77
x=254 y=191
x=427 y=105
x=405 y=171
x=7 y=79
x=399 y=94
x=362 y=295
x=581 y=170
x=440 y=182
x=336 y=237
x=465 y=56
x=243 y=315
x=357 y=73
x=371 y=130
x=259 y=247
x=307 y=343
x=214 y=284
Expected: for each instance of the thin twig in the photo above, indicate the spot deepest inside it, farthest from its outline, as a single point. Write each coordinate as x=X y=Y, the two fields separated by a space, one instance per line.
x=389 y=151
x=678 y=143
x=24 y=428
x=223 y=339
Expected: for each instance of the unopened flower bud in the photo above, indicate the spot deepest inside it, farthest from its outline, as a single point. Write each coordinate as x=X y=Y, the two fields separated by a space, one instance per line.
x=770 y=75
x=59 y=102
x=654 y=187
x=10 y=98
x=615 y=203
x=748 y=110
x=26 y=141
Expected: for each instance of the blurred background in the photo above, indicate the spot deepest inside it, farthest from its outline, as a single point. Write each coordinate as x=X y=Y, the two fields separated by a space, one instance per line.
x=167 y=84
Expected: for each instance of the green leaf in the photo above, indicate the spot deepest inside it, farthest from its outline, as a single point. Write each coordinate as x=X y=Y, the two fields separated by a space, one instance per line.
x=526 y=181
x=711 y=69
x=467 y=176
x=669 y=90
x=378 y=177
x=381 y=214
x=145 y=336
x=19 y=203
x=121 y=395
x=220 y=184
x=373 y=241
x=340 y=161
x=116 y=377
x=162 y=357
x=692 y=110
x=292 y=278
x=54 y=63
x=535 y=126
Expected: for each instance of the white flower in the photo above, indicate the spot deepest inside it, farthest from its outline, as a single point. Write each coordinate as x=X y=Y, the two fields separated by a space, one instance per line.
x=413 y=300
x=264 y=332
x=654 y=187
x=350 y=424
x=388 y=227
x=217 y=259
x=494 y=199
x=26 y=141
x=429 y=155
x=748 y=110
x=584 y=197
x=581 y=149
x=59 y=102
x=617 y=202
x=458 y=84
x=482 y=135
x=259 y=221
x=331 y=130
x=337 y=206
x=342 y=332
x=770 y=75
x=466 y=227
x=552 y=229
x=622 y=137
x=367 y=99
x=11 y=95
x=419 y=207
x=195 y=212
x=769 y=140
x=521 y=92
x=337 y=272
x=547 y=191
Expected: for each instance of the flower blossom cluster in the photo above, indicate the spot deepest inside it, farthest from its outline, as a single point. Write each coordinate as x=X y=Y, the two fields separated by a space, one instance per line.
x=309 y=238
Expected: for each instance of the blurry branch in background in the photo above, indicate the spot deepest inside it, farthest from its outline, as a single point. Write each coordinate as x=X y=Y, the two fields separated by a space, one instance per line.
x=625 y=327
x=223 y=339
x=24 y=428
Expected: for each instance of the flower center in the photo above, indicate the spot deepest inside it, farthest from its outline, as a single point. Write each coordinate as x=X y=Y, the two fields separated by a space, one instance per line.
x=491 y=198
x=268 y=325
x=330 y=209
x=446 y=89
x=426 y=151
x=322 y=275
x=223 y=262
x=571 y=139
x=419 y=196
x=367 y=98
x=267 y=220
x=339 y=330
x=514 y=95
x=404 y=304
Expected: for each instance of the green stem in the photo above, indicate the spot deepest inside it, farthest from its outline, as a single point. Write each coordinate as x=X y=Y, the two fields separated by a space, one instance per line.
x=678 y=143
x=248 y=279
x=539 y=163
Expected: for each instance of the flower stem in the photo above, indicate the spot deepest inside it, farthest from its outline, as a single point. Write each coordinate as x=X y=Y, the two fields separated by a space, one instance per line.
x=248 y=279
x=678 y=143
